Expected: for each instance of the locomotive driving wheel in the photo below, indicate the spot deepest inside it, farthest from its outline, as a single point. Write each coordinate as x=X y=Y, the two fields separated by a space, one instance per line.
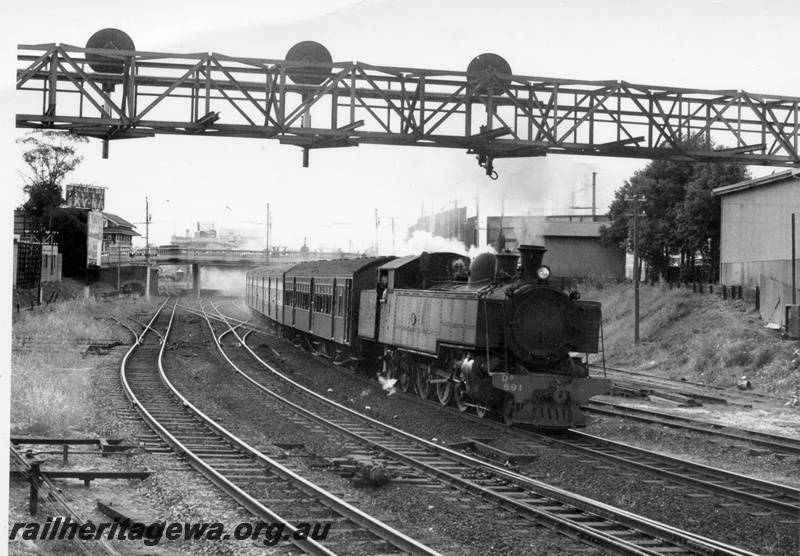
x=444 y=391
x=507 y=409
x=424 y=380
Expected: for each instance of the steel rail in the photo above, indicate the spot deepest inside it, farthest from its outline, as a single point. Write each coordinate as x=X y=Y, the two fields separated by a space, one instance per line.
x=373 y=525
x=775 y=442
x=687 y=540
x=650 y=377
x=680 y=466
x=308 y=545
x=56 y=494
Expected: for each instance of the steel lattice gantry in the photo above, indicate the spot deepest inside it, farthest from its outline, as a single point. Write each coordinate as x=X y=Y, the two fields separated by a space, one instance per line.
x=489 y=114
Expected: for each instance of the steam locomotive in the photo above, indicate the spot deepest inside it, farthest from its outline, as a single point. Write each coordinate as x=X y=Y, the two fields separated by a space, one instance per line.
x=496 y=338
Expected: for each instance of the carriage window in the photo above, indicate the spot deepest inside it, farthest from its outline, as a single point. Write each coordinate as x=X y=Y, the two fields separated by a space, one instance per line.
x=323 y=299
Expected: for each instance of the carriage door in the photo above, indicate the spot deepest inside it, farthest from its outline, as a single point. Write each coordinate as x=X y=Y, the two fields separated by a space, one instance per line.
x=311 y=305
x=294 y=299
x=350 y=312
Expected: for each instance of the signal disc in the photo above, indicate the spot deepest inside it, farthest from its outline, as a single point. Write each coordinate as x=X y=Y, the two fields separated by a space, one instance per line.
x=308 y=51
x=482 y=67
x=112 y=39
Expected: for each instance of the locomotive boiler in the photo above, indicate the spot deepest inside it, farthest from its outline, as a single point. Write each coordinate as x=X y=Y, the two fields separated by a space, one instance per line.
x=486 y=334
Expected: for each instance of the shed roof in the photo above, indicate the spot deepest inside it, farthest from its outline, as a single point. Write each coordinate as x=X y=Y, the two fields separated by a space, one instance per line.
x=772 y=179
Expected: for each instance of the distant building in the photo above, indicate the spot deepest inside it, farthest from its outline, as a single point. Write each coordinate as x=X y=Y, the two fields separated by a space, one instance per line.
x=450 y=224
x=573 y=249
x=204 y=238
x=756 y=237
x=118 y=233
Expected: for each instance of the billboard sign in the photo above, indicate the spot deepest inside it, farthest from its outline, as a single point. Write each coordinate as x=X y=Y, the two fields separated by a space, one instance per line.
x=87 y=197
x=94 y=237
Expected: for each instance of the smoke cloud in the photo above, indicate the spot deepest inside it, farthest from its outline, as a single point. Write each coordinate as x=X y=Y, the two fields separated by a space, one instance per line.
x=422 y=240
x=230 y=281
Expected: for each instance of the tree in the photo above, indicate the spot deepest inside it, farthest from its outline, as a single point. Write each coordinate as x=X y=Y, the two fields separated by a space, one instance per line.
x=700 y=215
x=682 y=217
x=50 y=156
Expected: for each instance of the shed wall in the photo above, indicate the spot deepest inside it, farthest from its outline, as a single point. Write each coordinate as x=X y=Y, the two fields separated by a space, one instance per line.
x=580 y=256
x=756 y=223
x=756 y=242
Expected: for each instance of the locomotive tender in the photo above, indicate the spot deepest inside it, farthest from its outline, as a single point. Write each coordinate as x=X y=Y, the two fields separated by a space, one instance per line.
x=495 y=338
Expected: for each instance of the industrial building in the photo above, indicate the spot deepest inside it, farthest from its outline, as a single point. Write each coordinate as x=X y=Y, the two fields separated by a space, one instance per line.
x=756 y=238
x=572 y=243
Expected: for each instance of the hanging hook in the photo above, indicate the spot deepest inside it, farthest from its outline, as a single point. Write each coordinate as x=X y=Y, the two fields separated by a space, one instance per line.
x=487 y=162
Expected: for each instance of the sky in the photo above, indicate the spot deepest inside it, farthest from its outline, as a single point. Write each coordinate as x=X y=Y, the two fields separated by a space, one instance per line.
x=331 y=204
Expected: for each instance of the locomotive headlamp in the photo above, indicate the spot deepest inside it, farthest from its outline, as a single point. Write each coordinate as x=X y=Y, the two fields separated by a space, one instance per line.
x=543 y=273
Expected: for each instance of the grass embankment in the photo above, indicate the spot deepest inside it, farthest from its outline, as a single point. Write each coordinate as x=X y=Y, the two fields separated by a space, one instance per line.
x=699 y=337
x=51 y=380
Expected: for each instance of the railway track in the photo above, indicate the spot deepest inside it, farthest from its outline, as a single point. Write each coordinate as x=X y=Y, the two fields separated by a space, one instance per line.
x=782 y=445
x=240 y=470
x=696 y=477
x=58 y=504
x=696 y=390
x=700 y=480
x=615 y=530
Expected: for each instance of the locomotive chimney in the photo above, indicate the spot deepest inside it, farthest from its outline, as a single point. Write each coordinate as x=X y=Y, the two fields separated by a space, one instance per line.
x=505 y=265
x=531 y=256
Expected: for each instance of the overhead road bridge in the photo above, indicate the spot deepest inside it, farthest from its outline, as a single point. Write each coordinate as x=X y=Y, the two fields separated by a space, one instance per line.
x=487 y=110
x=213 y=257
x=136 y=269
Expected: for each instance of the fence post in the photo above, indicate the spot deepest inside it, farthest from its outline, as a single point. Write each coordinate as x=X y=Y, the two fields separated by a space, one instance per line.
x=758 y=298
x=33 y=505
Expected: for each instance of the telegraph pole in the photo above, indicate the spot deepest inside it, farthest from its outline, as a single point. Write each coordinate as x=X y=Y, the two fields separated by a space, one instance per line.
x=268 y=224
x=393 y=236
x=377 y=223
x=636 y=275
x=147 y=249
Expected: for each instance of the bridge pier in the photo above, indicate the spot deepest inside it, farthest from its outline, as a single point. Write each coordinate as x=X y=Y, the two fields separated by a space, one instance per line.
x=131 y=279
x=196 y=278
